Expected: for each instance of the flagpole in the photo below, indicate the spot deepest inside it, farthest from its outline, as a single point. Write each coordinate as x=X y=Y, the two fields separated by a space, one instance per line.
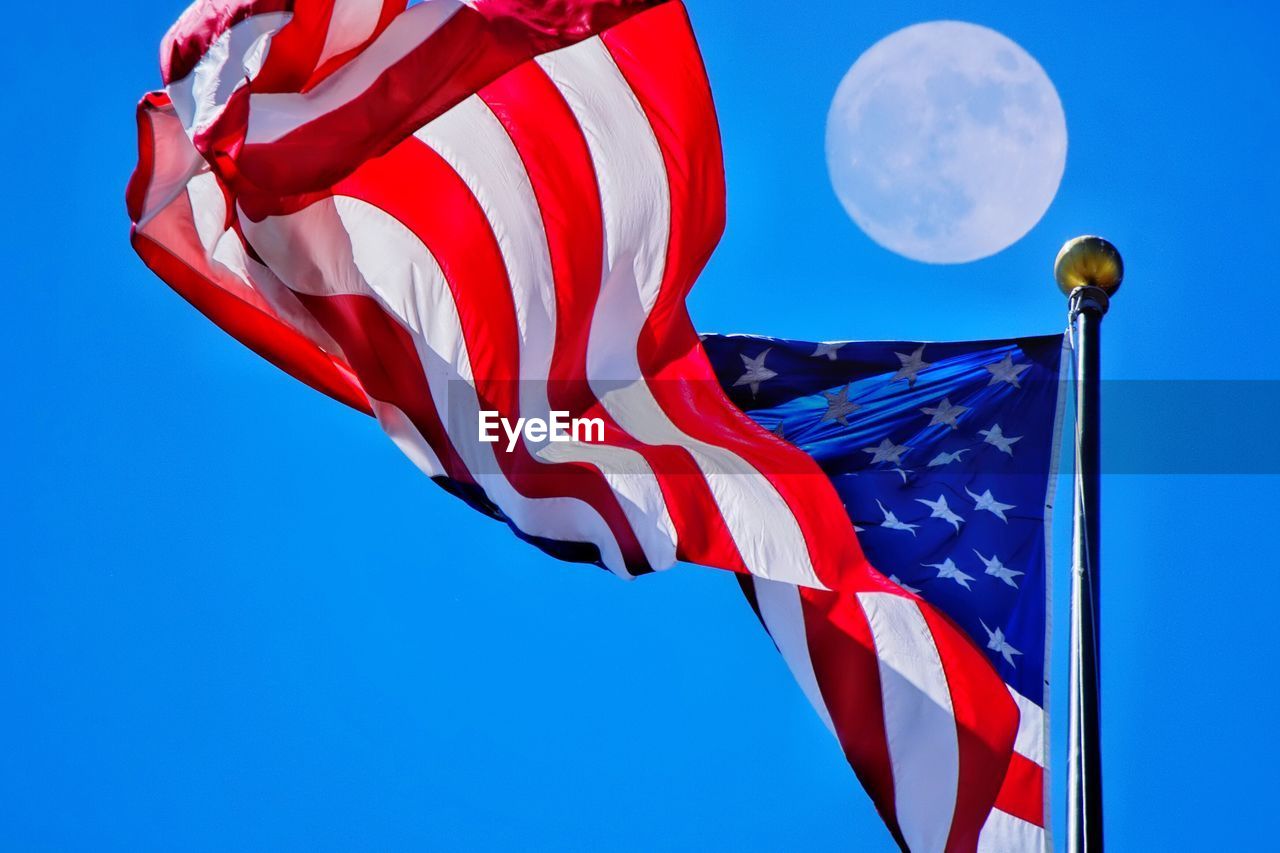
x=1089 y=270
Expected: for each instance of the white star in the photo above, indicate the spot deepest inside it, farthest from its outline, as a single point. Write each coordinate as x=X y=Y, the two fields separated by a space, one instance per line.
x=945 y=413
x=911 y=365
x=947 y=569
x=990 y=504
x=1006 y=371
x=891 y=521
x=947 y=458
x=756 y=371
x=903 y=472
x=839 y=407
x=1003 y=442
x=886 y=451
x=998 y=644
x=829 y=350
x=942 y=511
x=997 y=569
x=903 y=584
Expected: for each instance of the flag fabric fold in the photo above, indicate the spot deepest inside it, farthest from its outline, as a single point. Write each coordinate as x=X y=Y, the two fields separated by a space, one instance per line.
x=447 y=209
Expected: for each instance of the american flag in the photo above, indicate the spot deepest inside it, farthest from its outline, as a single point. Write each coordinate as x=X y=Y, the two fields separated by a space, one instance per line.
x=944 y=455
x=433 y=211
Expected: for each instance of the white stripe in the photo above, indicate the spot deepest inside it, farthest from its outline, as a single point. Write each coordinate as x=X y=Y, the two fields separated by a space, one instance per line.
x=396 y=424
x=919 y=722
x=272 y=115
x=350 y=23
x=474 y=143
x=1031 y=735
x=234 y=58
x=1064 y=366
x=347 y=246
x=208 y=210
x=783 y=617
x=636 y=203
x=1004 y=833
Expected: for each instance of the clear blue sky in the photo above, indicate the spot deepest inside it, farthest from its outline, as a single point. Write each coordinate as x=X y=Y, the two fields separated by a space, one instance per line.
x=232 y=616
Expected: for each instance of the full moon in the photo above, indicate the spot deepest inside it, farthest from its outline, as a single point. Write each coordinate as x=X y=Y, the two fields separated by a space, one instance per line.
x=946 y=142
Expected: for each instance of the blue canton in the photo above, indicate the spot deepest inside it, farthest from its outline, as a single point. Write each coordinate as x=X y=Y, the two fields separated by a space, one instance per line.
x=942 y=454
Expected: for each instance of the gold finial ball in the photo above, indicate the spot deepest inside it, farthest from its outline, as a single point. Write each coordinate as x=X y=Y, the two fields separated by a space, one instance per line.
x=1088 y=261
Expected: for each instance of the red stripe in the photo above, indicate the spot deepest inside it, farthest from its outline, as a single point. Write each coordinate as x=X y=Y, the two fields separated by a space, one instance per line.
x=986 y=725
x=295 y=49
x=1022 y=794
x=556 y=158
x=436 y=75
x=551 y=144
x=659 y=59
x=390 y=8
x=448 y=219
x=842 y=652
x=465 y=54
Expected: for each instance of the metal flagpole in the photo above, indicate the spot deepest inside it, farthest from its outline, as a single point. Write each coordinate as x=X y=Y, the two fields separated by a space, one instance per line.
x=1089 y=270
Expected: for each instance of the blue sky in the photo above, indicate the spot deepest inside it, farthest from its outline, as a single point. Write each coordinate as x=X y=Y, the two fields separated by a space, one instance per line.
x=232 y=616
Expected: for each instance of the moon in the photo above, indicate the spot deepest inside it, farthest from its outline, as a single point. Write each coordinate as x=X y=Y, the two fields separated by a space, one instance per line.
x=946 y=142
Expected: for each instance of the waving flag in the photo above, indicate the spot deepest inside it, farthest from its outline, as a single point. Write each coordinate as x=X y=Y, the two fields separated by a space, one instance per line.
x=944 y=457
x=451 y=209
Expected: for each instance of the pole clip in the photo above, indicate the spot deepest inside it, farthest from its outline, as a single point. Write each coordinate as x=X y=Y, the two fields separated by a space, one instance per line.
x=1087 y=298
